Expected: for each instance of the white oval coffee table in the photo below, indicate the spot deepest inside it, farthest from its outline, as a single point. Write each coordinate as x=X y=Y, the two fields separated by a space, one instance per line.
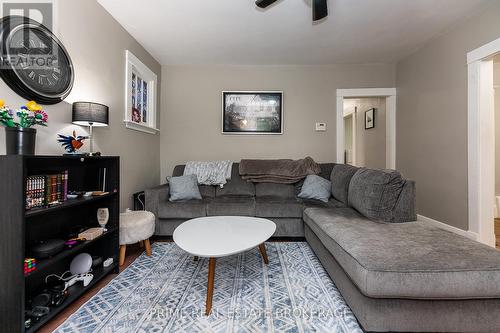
x=220 y=236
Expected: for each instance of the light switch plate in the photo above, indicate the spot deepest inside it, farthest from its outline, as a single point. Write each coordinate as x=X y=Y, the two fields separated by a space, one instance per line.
x=320 y=127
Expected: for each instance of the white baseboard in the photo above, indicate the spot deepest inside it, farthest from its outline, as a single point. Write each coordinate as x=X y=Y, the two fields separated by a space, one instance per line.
x=465 y=233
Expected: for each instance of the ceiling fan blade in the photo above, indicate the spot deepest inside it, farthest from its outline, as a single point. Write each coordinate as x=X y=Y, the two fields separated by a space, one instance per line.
x=264 y=3
x=320 y=9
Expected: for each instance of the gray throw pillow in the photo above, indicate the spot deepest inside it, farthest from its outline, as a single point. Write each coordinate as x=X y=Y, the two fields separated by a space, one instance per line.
x=184 y=188
x=316 y=187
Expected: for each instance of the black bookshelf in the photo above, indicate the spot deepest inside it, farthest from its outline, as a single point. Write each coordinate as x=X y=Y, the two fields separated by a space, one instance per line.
x=20 y=228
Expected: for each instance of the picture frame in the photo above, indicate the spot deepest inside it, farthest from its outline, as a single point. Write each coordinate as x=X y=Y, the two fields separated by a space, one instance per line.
x=370 y=118
x=252 y=112
x=140 y=95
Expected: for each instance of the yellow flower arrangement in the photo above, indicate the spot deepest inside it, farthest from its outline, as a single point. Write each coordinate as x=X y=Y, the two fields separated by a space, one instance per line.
x=24 y=117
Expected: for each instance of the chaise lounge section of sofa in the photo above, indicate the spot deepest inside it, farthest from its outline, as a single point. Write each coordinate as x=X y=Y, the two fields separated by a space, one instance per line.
x=398 y=274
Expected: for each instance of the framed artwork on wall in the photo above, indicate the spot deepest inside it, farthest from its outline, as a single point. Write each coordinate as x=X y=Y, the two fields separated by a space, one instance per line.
x=140 y=91
x=252 y=112
x=370 y=118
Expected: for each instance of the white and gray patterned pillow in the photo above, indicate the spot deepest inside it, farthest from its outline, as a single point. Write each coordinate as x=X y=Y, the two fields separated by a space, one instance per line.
x=210 y=173
x=317 y=188
x=184 y=188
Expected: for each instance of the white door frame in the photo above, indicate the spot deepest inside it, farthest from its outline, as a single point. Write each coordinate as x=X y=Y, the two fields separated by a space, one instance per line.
x=390 y=120
x=481 y=141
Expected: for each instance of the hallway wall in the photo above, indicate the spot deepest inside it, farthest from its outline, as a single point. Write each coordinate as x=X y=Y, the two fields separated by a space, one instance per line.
x=370 y=143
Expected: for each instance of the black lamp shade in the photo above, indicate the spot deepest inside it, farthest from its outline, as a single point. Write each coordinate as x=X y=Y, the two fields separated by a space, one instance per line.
x=88 y=113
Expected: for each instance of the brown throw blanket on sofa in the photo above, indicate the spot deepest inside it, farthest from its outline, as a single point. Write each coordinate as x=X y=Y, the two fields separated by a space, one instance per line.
x=278 y=171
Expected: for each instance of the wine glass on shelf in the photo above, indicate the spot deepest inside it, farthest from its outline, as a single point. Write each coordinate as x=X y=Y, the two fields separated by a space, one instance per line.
x=103 y=218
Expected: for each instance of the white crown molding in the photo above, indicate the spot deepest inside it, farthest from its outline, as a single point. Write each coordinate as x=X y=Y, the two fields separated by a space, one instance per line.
x=466 y=233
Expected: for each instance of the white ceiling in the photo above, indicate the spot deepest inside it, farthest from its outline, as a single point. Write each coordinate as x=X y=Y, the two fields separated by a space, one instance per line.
x=237 y=32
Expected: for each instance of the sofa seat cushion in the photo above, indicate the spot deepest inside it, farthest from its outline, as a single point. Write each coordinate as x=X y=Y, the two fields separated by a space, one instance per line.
x=413 y=260
x=187 y=209
x=273 y=206
x=231 y=206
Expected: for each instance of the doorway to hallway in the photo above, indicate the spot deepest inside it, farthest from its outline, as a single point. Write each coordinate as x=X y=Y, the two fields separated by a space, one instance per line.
x=352 y=101
x=365 y=132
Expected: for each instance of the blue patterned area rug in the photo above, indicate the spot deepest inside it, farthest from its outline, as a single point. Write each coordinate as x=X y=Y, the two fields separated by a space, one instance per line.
x=166 y=293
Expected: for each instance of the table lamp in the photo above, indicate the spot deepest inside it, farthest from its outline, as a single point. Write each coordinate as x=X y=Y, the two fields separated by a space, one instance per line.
x=90 y=114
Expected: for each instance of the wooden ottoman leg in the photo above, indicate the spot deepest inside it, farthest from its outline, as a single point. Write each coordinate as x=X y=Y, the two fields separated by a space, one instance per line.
x=141 y=243
x=147 y=245
x=123 y=249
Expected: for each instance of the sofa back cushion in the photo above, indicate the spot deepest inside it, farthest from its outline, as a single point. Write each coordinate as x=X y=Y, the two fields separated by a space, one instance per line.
x=178 y=171
x=236 y=185
x=341 y=178
x=275 y=190
x=374 y=193
x=326 y=170
x=206 y=191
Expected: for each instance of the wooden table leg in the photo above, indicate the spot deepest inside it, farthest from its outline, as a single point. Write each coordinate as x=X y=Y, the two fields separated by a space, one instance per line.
x=123 y=249
x=210 y=285
x=263 y=253
x=147 y=245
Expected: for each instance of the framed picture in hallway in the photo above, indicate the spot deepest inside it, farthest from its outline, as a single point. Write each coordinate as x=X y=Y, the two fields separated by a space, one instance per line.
x=252 y=112
x=370 y=118
x=140 y=92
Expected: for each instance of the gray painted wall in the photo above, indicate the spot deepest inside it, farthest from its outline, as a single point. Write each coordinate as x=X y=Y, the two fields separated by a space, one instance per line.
x=432 y=116
x=97 y=49
x=191 y=118
x=370 y=143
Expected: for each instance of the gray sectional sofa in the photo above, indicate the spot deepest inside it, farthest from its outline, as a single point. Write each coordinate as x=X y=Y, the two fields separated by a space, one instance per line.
x=277 y=202
x=395 y=273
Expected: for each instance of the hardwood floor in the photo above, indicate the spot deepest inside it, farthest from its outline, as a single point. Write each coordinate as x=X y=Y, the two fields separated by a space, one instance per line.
x=133 y=251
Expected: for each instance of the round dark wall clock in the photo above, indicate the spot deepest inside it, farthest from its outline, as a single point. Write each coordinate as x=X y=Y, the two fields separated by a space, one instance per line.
x=34 y=63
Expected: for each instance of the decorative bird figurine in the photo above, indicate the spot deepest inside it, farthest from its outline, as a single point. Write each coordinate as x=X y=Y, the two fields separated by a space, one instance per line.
x=71 y=143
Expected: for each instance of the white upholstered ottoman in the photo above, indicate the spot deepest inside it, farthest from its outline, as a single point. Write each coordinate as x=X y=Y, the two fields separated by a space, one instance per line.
x=136 y=227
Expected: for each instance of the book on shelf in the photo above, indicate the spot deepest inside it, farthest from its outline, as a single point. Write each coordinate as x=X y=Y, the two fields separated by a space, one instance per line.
x=46 y=190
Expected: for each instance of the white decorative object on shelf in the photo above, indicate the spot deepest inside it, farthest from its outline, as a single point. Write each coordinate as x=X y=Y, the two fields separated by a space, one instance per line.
x=103 y=217
x=140 y=95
